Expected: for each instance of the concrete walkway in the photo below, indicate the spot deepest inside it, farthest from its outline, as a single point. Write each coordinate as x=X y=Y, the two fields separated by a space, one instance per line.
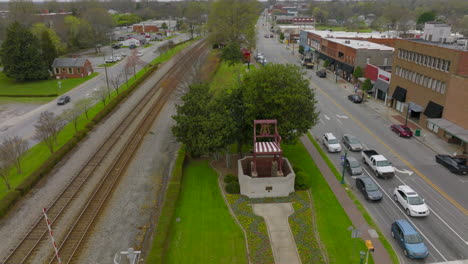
x=380 y=255
x=281 y=238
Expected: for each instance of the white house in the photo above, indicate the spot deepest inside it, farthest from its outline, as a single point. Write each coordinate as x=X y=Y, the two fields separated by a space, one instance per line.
x=130 y=41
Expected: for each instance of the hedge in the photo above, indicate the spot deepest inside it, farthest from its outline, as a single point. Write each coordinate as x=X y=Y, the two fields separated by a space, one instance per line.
x=165 y=221
x=8 y=201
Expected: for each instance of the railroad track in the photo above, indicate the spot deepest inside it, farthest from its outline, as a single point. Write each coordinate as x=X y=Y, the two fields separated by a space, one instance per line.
x=149 y=107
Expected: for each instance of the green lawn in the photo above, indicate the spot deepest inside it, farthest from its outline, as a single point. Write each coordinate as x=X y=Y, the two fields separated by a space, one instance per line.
x=147 y=45
x=9 y=87
x=332 y=221
x=226 y=76
x=205 y=231
x=108 y=64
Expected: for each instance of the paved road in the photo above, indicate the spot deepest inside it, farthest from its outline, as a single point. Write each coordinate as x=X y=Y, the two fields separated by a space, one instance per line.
x=23 y=125
x=446 y=228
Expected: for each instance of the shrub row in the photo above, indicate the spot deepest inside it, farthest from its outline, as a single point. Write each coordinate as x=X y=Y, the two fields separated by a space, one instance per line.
x=162 y=231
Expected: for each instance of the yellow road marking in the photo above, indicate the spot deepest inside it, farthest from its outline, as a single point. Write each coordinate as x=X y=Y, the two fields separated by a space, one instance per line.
x=450 y=199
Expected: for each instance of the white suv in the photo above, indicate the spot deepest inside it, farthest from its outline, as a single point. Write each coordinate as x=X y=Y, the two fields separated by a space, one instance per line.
x=410 y=200
x=331 y=142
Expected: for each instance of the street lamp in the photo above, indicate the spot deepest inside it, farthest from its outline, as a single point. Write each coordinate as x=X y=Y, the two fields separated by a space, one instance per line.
x=343 y=159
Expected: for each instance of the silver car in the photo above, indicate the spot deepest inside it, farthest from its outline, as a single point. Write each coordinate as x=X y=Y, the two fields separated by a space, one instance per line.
x=351 y=142
x=353 y=166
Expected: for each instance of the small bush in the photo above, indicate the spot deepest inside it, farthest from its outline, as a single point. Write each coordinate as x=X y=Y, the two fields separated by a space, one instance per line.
x=230 y=178
x=233 y=188
x=296 y=169
x=299 y=183
x=8 y=200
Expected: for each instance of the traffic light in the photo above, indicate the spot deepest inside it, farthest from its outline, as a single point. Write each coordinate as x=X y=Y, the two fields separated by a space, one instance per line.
x=369 y=246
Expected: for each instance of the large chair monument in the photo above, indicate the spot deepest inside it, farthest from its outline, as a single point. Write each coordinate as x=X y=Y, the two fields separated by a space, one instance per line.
x=266 y=173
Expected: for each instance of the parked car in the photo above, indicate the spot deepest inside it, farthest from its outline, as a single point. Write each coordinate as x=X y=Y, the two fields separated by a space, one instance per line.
x=351 y=142
x=271 y=35
x=132 y=46
x=355 y=98
x=139 y=54
x=260 y=57
x=331 y=143
x=412 y=203
x=117 y=58
x=453 y=164
x=63 y=100
x=321 y=74
x=409 y=239
x=402 y=130
x=110 y=60
x=266 y=36
x=116 y=45
x=263 y=61
x=378 y=164
x=368 y=188
x=352 y=166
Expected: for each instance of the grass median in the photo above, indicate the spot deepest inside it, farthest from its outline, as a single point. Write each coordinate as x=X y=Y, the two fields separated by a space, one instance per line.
x=361 y=208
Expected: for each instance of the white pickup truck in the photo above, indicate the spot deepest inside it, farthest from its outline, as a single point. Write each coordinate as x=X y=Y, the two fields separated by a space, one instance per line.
x=378 y=163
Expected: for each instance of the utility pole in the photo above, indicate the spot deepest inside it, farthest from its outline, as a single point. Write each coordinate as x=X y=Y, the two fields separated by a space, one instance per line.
x=105 y=69
x=343 y=160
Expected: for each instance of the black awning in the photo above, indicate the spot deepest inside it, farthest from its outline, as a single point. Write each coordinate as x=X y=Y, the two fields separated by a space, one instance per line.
x=323 y=56
x=433 y=110
x=347 y=68
x=381 y=85
x=399 y=94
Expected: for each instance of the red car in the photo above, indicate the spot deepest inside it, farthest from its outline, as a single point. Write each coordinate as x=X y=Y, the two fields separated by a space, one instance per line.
x=402 y=130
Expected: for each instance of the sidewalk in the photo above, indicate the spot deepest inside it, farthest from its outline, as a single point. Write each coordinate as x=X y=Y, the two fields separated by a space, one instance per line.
x=380 y=254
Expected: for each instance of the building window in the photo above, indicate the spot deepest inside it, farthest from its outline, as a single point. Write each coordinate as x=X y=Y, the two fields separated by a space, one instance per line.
x=421 y=80
x=399 y=53
x=434 y=85
x=79 y=70
x=434 y=62
x=385 y=61
x=442 y=65
x=368 y=60
x=443 y=87
x=425 y=60
x=56 y=70
x=438 y=86
x=419 y=58
x=447 y=67
x=426 y=80
x=432 y=127
x=64 y=70
x=414 y=77
x=70 y=70
x=431 y=60
x=438 y=64
x=429 y=83
x=340 y=54
x=399 y=106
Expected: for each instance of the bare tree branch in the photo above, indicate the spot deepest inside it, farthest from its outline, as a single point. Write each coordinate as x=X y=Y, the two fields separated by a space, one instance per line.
x=101 y=93
x=47 y=129
x=12 y=150
x=116 y=81
x=4 y=173
x=72 y=115
x=85 y=104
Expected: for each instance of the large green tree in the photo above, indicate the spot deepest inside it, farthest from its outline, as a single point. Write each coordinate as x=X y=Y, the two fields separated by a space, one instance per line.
x=426 y=17
x=49 y=52
x=280 y=91
x=233 y=21
x=21 y=55
x=203 y=123
x=39 y=28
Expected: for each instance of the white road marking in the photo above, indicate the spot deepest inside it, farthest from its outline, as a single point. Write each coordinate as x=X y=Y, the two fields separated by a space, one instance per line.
x=326 y=117
x=364 y=146
x=406 y=216
x=339 y=121
x=323 y=122
x=342 y=116
x=405 y=171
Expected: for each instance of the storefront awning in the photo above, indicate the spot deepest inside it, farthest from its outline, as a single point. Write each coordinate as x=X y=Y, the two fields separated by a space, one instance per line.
x=451 y=128
x=381 y=85
x=347 y=68
x=433 y=110
x=415 y=107
x=399 y=94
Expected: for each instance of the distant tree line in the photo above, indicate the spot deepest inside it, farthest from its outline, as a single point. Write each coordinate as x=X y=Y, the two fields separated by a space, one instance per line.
x=392 y=14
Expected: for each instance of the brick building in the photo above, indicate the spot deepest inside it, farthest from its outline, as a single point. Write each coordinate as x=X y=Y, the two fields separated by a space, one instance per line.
x=347 y=50
x=65 y=68
x=430 y=85
x=145 y=28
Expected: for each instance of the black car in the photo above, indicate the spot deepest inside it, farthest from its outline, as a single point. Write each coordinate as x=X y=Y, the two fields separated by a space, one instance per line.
x=63 y=100
x=116 y=46
x=132 y=46
x=453 y=164
x=355 y=98
x=321 y=74
x=368 y=188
